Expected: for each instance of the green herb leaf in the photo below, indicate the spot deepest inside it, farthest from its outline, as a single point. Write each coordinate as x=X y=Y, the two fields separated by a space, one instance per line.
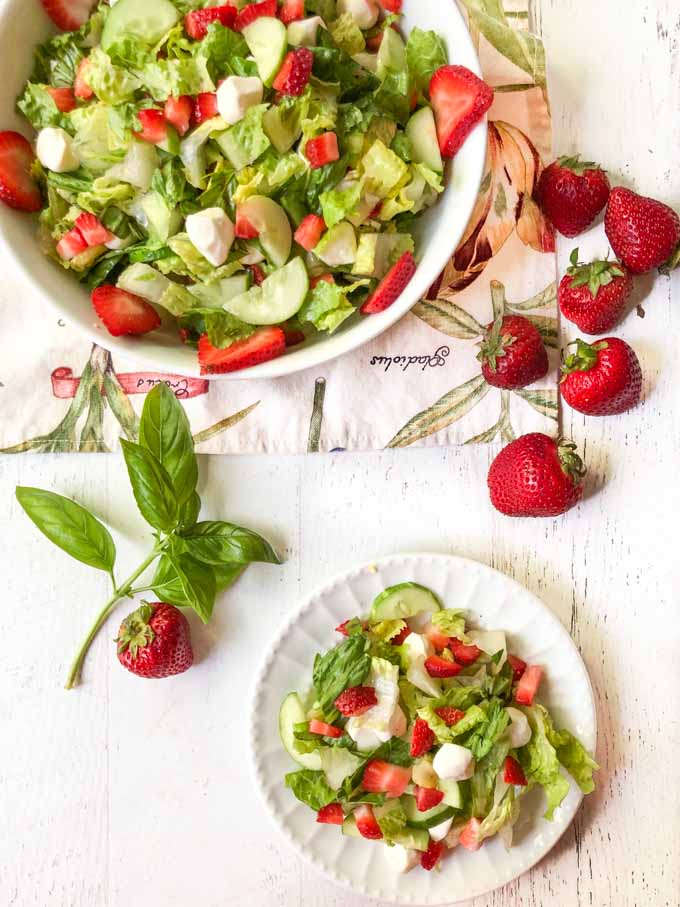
x=152 y=487
x=182 y=581
x=347 y=665
x=218 y=542
x=165 y=432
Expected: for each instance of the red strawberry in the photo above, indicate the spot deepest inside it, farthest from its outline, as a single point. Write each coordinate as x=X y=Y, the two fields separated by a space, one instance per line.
x=512 y=772
x=71 y=244
x=205 y=107
x=291 y=11
x=459 y=99
x=342 y=628
x=602 y=378
x=294 y=74
x=367 y=824
x=253 y=11
x=518 y=666
x=438 y=639
x=154 y=126
x=594 y=295
x=325 y=730
x=322 y=150
x=536 y=476
x=328 y=278
x=422 y=738
x=391 y=286
x=383 y=777
x=123 y=312
x=432 y=855
x=571 y=193
x=331 y=814
x=356 y=701
x=18 y=189
x=644 y=233
x=374 y=41
x=528 y=685
x=402 y=634
x=243 y=229
x=449 y=715
x=266 y=343
x=294 y=337
x=469 y=837
x=178 y=112
x=63 y=98
x=68 y=15
x=427 y=798
x=93 y=230
x=80 y=87
x=197 y=22
x=441 y=667
x=464 y=655
x=310 y=231
x=512 y=353
x=258 y=274
x=155 y=641
x=392 y=6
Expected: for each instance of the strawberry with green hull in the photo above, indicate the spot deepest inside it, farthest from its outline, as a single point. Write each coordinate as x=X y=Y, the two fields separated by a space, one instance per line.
x=572 y=193
x=602 y=378
x=594 y=296
x=512 y=353
x=155 y=641
x=643 y=232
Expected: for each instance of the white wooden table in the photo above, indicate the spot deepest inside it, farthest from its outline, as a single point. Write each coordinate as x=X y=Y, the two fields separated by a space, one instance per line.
x=128 y=794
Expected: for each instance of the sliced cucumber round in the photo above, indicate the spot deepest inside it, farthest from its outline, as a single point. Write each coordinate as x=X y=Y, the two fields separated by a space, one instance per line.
x=267 y=40
x=146 y=22
x=278 y=298
x=428 y=819
x=292 y=712
x=392 y=53
x=349 y=827
x=404 y=600
x=412 y=838
x=422 y=131
x=273 y=227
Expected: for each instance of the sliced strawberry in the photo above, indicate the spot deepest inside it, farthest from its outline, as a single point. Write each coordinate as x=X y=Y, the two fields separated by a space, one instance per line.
x=63 y=98
x=93 y=230
x=356 y=701
x=464 y=655
x=177 y=112
x=295 y=71
x=71 y=244
x=331 y=814
x=469 y=836
x=254 y=11
x=291 y=11
x=459 y=99
x=293 y=338
x=327 y=277
x=518 y=666
x=80 y=87
x=68 y=15
x=402 y=634
x=367 y=824
x=432 y=855
x=376 y=211
x=392 y=6
x=449 y=715
x=384 y=777
x=427 y=798
x=322 y=150
x=325 y=730
x=310 y=231
x=197 y=22
x=243 y=229
x=154 y=126
x=512 y=772
x=18 y=189
x=440 y=667
x=392 y=285
x=266 y=343
x=528 y=685
x=373 y=43
x=205 y=107
x=124 y=313
x=342 y=628
x=438 y=639
x=258 y=278
x=422 y=738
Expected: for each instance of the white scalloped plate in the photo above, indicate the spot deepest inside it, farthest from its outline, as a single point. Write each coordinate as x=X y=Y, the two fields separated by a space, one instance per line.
x=492 y=601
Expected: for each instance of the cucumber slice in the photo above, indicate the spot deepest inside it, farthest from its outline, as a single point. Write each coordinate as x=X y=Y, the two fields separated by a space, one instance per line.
x=145 y=281
x=146 y=22
x=392 y=53
x=422 y=132
x=427 y=819
x=267 y=40
x=272 y=225
x=214 y=295
x=282 y=129
x=349 y=827
x=278 y=299
x=292 y=712
x=453 y=795
x=413 y=838
x=404 y=600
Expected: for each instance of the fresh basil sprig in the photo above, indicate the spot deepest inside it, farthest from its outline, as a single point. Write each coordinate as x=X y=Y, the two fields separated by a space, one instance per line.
x=196 y=561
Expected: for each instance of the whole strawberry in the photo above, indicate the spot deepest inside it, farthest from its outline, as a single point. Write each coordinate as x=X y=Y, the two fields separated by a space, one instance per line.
x=571 y=193
x=536 y=476
x=512 y=353
x=155 y=641
x=594 y=295
x=643 y=232
x=603 y=378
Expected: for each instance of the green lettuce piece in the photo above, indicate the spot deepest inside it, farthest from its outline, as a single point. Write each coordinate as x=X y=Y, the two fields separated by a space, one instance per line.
x=103 y=193
x=504 y=813
x=177 y=300
x=111 y=84
x=347 y=34
x=386 y=629
x=195 y=264
x=474 y=716
x=488 y=733
x=392 y=97
x=450 y=622
x=326 y=307
x=96 y=144
x=311 y=788
x=320 y=116
x=433 y=179
x=172 y=78
x=540 y=763
x=129 y=53
x=224 y=52
x=170 y=182
x=383 y=170
x=391 y=819
x=57 y=60
x=270 y=174
x=459 y=697
x=192 y=150
x=39 y=108
x=412 y=698
x=347 y=665
x=425 y=52
x=337 y=203
x=483 y=782
x=246 y=140
x=570 y=752
x=337 y=763
x=323 y=8
x=377 y=252
x=222 y=328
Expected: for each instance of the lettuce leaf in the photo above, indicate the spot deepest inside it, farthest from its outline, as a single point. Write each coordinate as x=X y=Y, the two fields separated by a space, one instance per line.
x=222 y=328
x=386 y=629
x=246 y=140
x=39 y=108
x=570 y=752
x=483 y=782
x=347 y=34
x=425 y=52
x=487 y=734
x=56 y=61
x=172 y=78
x=111 y=84
x=391 y=819
x=97 y=145
x=383 y=170
x=539 y=760
x=337 y=203
x=503 y=813
x=311 y=788
x=224 y=52
x=347 y=665
x=450 y=622
x=103 y=193
x=473 y=717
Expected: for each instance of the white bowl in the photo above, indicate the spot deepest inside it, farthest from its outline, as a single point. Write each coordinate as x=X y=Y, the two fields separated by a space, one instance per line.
x=23 y=24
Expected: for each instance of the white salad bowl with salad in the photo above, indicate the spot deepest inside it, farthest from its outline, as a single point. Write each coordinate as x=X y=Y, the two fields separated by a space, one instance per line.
x=243 y=189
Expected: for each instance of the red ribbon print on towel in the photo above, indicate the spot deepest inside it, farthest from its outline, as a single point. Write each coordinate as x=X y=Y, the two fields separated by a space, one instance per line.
x=64 y=385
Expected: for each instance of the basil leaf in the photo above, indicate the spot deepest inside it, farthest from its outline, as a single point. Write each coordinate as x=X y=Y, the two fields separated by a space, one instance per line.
x=70 y=527
x=164 y=431
x=226 y=575
x=347 y=665
x=189 y=511
x=182 y=581
x=151 y=486
x=311 y=788
x=217 y=542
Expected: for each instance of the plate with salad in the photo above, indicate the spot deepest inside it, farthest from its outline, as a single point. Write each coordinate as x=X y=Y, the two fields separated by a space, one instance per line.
x=424 y=729
x=245 y=187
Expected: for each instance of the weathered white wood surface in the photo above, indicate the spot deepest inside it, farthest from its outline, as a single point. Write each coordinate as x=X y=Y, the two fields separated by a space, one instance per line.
x=128 y=794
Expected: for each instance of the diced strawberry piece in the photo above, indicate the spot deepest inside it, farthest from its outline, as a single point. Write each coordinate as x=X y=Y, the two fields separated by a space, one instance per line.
x=322 y=150
x=295 y=71
x=294 y=337
x=427 y=798
x=356 y=701
x=266 y=343
x=459 y=99
x=373 y=43
x=513 y=773
x=436 y=666
x=432 y=855
x=93 y=230
x=384 y=777
x=469 y=836
x=68 y=15
x=254 y=11
x=243 y=229
x=178 y=112
x=449 y=715
x=367 y=824
x=392 y=6
x=325 y=730
x=205 y=107
x=422 y=738
x=392 y=285
x=258 y=277
x=331 y=814
x=438 y=639
x=518 y=666
x=80 y=87
x=63 y=98
x=71 y=244
x=197 y=22
x=528 y=685
x=123 y=312
x=464 y=655
x=402 y=634
x=291 y=11
x=154 y=126
x=310 y=231
x=376 y=211
x=18 y=189
x=327 y=277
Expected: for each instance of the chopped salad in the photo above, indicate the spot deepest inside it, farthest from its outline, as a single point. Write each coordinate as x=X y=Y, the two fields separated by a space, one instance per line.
x=425 y=734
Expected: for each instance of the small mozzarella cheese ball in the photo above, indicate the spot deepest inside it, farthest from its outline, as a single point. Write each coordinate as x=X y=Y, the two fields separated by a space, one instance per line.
x=364 y=12
x=439 y=832
x=212 y=233
x=418 y=646
x=454 y=763
x=365 y=738
x=423 y=774
x=236 y=94
x=398 y=723
x=55 y=150
x=518 y=731
x=401 y=859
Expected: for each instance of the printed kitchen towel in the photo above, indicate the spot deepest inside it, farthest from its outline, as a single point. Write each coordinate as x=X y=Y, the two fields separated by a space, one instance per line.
x=418 y=384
